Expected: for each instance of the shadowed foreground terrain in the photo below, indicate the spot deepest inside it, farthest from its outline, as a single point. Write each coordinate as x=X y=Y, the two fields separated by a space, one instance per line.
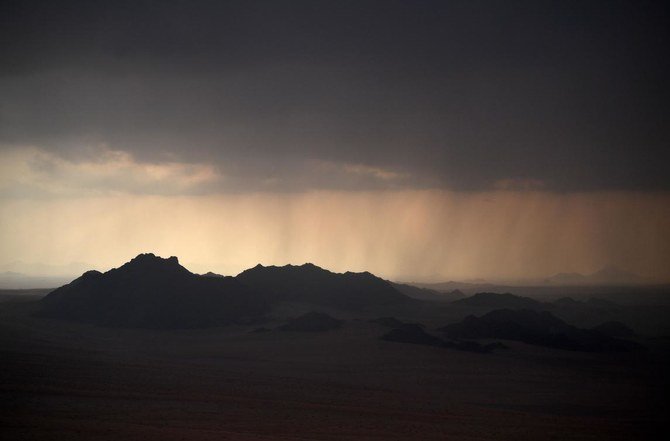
x=79 y=382
x=321 y=370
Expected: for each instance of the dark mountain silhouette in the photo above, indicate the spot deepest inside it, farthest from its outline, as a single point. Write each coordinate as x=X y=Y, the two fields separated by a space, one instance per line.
x=533 y=327
x=152 y=292
x=419 y=293
x=310 y=284
x=312 y=322
x=211 y=274
x=495 y=300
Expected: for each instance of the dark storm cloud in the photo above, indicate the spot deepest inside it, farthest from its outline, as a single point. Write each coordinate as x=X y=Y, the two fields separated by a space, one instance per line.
x=463 y=95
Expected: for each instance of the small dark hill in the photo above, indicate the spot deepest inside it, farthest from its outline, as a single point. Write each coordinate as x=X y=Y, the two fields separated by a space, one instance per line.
x=211 y=274
x=152 y=292
x=533 y=327
x=495 y=300
x=412 y=333
x=614 y=329
x=313 y=285
x=456 y=293
x=312 y=322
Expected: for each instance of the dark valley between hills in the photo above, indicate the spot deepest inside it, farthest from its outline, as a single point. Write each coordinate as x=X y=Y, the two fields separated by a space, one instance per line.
x=150 y=350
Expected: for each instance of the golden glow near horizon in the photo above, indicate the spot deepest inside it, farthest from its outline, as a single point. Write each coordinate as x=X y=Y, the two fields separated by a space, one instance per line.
x=106 y=207
x=420 y=235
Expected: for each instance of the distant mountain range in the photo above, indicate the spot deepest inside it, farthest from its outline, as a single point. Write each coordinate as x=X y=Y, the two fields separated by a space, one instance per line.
x=152 y=292
x=23 y=275
x=44 y=270
x=609 y=275
x=16 y=280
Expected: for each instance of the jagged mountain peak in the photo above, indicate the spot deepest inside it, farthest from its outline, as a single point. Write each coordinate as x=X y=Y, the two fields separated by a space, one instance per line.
x=149 y=263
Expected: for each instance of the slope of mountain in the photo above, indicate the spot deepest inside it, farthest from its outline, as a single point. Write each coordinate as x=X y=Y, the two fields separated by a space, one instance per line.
x=538 y=328
x=151 y=292
x=310 y=284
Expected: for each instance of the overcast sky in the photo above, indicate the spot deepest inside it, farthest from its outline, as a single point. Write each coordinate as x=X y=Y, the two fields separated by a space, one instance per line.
x=179 y=99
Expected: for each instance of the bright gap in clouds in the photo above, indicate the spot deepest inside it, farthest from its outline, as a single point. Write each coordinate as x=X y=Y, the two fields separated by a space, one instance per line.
x=31 y=172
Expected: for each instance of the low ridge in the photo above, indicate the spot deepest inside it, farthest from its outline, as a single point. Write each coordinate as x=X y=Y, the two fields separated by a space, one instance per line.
x=537 y=328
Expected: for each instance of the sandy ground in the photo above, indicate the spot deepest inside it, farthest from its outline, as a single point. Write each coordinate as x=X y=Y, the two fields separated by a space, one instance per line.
x=78 y=382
